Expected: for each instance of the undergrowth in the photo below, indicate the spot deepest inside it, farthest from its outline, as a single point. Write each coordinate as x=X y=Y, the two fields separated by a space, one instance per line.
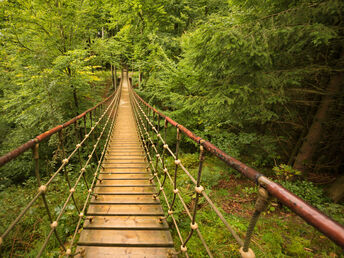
x=28 y=236
x=278 y=233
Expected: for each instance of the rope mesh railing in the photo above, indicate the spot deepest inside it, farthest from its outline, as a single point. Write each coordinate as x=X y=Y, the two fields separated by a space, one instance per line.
x=176 y=192
x=96 y=173
x=107 y=108
x=148 y=120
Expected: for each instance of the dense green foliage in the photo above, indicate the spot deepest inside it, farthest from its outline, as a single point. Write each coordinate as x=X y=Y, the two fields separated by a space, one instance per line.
x=247 y=76
x=46 y=70
x=253 y=77
x=250 y=78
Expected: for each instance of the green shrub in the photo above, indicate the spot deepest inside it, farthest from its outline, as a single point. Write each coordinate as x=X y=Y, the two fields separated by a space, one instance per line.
x=210 y=176
x=250 y=190
x=285 y=172
x=190 y=160
x=307 y=191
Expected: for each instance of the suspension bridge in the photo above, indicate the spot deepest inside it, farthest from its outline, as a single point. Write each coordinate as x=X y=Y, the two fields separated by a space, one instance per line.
x=122 y=214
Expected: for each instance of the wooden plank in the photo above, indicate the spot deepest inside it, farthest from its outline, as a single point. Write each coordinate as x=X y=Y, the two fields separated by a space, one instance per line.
x=126 y=162
x=125 y=169
x=126 y=157
x=123 y=185
x=125 y=193
x=125 y=198
x=124 y=190
x=132 y=181
x=125 y=209
x=125 y=252
x=126 y=222
x=114 y=166
x=124 y=179
x=125 y=175
x=129 y=238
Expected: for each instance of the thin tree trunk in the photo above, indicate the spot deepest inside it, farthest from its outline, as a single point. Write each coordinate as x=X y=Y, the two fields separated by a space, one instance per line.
x=112 y=77
x=296 y=148
x=308 y=148
x=75 y=96
x=115 y=72
x=140 y=78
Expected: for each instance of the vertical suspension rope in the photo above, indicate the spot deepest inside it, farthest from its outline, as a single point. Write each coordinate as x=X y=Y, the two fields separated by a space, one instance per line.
x=35 y=150
x=64 y=160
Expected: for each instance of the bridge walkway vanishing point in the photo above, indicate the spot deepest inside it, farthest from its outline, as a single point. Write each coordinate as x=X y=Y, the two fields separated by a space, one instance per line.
x=123 y=218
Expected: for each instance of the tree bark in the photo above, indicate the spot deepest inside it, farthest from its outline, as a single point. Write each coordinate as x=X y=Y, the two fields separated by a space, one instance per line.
x=115 y=74
x=140 y=79
x=112 y=77
x=336 y=190
x=75 y=96
x=308 y=148
x=75 y=99
x=296 y=148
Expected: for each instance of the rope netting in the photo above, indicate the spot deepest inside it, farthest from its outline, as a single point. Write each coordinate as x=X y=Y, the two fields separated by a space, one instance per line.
x=152 y=126
x=97 y=127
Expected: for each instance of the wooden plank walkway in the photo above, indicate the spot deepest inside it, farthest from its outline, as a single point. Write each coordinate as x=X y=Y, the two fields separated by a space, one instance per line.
x=125 y=216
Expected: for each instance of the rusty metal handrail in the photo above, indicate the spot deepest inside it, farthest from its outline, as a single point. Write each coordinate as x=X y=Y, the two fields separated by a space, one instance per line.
x=310 y=214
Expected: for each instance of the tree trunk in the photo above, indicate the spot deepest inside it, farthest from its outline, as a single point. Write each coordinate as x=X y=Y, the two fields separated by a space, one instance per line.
x=296 y=147
x=336 y=190
x=112 y=77
x=140 y=78
x=75 y=100
x=115 y=75
x=132 y=69
x=306 y=152
x=75 y=96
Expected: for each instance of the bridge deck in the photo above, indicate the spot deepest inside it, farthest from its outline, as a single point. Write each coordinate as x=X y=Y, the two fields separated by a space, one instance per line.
x=125 y=216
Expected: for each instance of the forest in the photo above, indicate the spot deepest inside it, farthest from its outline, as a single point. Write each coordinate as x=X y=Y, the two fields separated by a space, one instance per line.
x=261 y=80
